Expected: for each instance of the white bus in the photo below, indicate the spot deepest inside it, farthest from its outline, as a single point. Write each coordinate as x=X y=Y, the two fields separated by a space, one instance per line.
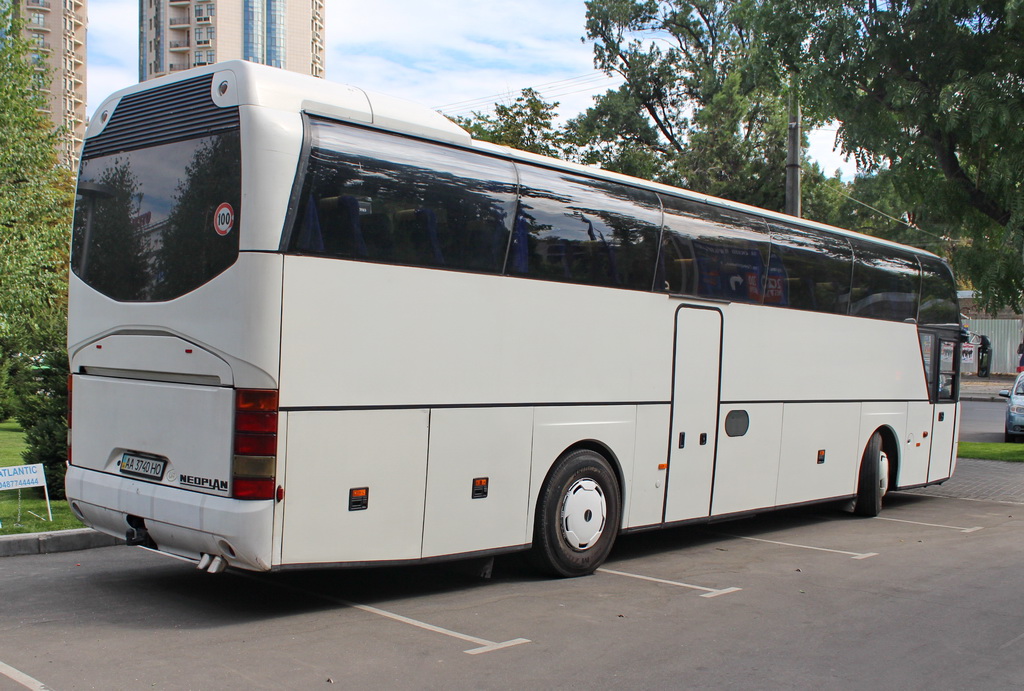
x=313 y=326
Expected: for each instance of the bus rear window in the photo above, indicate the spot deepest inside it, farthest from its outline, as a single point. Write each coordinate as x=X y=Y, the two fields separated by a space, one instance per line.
x=156 y=223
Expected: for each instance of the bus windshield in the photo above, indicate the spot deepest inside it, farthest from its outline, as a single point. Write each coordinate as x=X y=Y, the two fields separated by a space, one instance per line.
x=155 y=223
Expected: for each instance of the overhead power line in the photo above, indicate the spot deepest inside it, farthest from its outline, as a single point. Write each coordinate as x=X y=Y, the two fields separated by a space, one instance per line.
x=548 y=91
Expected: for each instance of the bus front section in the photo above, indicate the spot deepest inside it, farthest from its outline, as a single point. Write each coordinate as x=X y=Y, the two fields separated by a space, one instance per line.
x=173 y=333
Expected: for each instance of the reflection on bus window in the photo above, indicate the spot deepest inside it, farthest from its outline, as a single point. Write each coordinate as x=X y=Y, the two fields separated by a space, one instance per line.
x=885 y=285
x=809 y=270
x=579 y=230
x=384 y=198
x=714 y=253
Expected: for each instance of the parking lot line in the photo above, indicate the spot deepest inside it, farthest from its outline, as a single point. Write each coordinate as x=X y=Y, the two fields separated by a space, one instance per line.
x=708 y=592
x=19 y=677
x=483 y=645
x=931 y=525
x=853 y=555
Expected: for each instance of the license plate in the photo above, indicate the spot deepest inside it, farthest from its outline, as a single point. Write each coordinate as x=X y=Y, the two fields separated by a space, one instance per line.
x=142 y=467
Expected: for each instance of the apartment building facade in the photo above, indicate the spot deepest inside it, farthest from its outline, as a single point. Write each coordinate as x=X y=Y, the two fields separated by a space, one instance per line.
x=56 y=31
x=176 y=35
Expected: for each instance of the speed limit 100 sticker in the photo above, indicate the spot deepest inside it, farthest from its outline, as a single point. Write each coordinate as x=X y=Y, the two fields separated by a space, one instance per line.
x=224 y=219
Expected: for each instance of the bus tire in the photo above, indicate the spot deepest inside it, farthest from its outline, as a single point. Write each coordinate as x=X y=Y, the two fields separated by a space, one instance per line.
x=873 y=482
x=577 y=515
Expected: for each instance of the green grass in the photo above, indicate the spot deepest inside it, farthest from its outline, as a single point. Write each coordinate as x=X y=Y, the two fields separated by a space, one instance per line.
x=992 y=452
x=30 y=501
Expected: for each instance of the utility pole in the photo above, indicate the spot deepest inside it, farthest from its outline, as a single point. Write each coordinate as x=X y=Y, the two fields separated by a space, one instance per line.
x=793 y=156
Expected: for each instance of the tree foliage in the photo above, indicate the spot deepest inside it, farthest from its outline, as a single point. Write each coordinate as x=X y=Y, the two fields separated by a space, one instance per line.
x=692 y=109
x=933 y=93
x=526 y=124
x=36 y=198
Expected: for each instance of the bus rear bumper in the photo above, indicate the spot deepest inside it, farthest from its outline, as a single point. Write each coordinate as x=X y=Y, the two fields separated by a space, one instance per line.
x=180 y=522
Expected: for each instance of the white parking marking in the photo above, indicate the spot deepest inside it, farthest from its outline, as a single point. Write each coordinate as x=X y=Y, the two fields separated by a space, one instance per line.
x=20 y=677
x=483 y=645
x=1006 y=645
x=853 y=555
x=931 y=525
x=708 y=592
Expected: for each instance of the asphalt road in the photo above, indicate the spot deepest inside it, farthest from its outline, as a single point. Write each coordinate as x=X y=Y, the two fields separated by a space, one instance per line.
x=927 y=596
x=982 y=421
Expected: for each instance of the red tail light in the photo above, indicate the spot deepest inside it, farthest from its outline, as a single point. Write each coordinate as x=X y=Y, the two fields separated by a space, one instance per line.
x=254 y=466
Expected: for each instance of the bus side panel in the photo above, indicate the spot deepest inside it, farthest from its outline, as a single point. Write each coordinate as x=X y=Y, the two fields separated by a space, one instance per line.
x=793 y=355
x=747 y=466
x=943 y=453
x=558 y=428
x=918 y=444
x=877 y=415
x=819 y=451
x=399 y=336
x=647 y=490
x=331 y=453
x=467 y=445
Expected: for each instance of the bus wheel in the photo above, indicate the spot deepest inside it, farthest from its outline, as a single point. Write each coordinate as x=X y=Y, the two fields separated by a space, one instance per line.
x=577 y=515
x=874 y=478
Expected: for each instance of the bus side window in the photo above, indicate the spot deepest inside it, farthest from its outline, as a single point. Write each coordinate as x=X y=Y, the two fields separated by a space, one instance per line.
x=386 y=198
x=726 y=250
x=884 y=286
x=938 y=294
x=808 y=270
x=579 y=230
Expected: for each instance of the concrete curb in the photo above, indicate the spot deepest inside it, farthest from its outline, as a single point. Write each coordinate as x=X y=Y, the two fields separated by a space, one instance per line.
x=56 y=541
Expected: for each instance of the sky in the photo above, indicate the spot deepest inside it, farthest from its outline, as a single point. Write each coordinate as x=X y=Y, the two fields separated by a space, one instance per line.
x=457 y=56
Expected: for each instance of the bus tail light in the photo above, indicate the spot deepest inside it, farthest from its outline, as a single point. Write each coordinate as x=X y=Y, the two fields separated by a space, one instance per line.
x=253 y=467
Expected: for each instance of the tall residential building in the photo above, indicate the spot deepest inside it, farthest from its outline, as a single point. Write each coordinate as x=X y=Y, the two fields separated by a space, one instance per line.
x=175 y=35
x=56 y=29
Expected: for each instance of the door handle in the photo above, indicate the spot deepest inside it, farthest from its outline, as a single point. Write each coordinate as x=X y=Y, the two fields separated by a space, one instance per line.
x=682 y=439
x=703 y=438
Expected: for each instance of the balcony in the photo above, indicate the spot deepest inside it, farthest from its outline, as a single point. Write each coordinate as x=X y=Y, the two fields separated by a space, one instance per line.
x=176 y=3
x=177 y=67
x=40 y=4
x=181 y=22
x=178 y=45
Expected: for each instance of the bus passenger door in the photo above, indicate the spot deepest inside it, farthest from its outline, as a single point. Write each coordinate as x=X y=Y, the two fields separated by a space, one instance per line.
x=695 y=395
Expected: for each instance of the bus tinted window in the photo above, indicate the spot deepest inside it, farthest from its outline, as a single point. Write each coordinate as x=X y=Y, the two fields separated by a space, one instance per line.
x=153 y=224
x=571 y=228
x=712 y=252
x=886 y=282
x=809 y=270
x=379 y=197
x=938 y=294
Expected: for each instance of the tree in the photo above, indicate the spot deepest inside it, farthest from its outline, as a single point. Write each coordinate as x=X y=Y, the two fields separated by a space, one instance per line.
x=933 y=93
x=35 y=212
x=526 y=124
x=35 y=198
x=691 y=98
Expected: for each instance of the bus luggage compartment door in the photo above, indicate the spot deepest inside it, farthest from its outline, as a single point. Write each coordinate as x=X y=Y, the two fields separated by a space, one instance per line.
x=355 y=483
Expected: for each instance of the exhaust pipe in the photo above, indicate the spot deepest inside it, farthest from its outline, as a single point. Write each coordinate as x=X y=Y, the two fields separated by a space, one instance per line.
x=212 y=564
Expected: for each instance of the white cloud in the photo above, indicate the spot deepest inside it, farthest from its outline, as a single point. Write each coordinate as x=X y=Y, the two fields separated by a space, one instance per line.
x=451 y=51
